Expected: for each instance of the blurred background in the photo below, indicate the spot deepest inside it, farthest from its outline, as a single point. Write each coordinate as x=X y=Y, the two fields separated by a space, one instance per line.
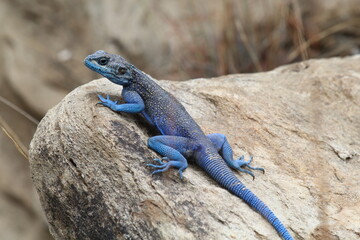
x=43 y=44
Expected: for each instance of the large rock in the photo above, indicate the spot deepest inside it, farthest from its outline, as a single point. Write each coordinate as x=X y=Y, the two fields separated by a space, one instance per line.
x=300 y=122
x=42 y=44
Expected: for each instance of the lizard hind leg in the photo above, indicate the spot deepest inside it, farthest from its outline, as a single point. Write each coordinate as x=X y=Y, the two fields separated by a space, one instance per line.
x=174 y=150
x=223 y=147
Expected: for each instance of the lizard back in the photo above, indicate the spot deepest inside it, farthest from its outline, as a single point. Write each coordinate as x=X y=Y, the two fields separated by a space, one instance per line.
x=164 y=111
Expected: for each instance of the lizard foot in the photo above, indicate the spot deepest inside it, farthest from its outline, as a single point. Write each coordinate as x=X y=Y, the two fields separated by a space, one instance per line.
x=166 y=165
x=240 y=164
x=106 y=101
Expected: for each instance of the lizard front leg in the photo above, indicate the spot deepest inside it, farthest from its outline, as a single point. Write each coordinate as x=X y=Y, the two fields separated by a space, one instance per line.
x=223 y=147
x=134 y=102
x=174 y=150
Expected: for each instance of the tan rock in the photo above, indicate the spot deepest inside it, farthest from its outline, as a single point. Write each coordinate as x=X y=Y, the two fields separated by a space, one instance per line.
x=300 y=122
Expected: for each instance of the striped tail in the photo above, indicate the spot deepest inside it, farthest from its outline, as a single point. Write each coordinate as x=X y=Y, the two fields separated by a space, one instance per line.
x=222 y=174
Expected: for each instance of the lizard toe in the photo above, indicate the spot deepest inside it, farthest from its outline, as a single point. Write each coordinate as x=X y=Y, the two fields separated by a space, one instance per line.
x=240 y=164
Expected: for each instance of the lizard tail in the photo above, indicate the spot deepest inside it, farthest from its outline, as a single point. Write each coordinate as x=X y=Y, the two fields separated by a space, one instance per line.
x=250 y=198
x=221 y=173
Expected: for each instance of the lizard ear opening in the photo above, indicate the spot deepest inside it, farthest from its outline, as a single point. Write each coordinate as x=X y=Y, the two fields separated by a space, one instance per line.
x=122 y=71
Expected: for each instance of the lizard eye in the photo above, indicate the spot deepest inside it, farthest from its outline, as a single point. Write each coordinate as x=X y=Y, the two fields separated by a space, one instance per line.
x=122 y=71
x=103 y=60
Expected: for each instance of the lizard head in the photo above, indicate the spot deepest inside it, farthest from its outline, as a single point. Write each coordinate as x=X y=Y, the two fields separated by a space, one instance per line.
x=111 y=66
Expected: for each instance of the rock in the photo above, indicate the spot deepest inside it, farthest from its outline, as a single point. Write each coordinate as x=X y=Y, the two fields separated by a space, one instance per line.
x=300 y=122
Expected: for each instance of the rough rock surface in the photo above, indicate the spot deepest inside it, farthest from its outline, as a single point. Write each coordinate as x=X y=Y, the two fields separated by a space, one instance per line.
x=300 y=122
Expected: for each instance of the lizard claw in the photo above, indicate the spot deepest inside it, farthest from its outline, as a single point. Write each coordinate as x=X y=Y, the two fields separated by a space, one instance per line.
x=247 y=164
x=180 y=173
x=102 y=99
x=106 y=101
x=240 y=164
x=166 y=165
x=160 y=160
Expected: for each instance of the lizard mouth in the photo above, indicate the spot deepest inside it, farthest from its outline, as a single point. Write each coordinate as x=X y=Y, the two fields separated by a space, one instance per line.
x=93 y=66
x=123 y=80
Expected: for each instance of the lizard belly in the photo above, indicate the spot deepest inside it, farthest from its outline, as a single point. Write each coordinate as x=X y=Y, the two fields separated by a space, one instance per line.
x=166 y=127
x=148 y=118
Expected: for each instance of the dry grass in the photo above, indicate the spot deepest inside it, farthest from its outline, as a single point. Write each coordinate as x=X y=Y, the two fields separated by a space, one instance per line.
x=230 y=38
x=14 y=138
x=11 y=133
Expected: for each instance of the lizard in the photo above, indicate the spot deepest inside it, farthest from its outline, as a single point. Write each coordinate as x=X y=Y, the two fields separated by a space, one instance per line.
x=181 y=137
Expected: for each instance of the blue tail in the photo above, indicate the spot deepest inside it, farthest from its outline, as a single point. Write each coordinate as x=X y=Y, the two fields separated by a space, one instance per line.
x=250 y=198
x=221 y=173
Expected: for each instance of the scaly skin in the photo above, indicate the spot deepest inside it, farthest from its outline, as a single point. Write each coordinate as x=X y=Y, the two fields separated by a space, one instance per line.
x=181 y=137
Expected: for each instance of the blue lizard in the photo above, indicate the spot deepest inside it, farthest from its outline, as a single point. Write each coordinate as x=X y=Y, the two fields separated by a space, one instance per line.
x=181 y=138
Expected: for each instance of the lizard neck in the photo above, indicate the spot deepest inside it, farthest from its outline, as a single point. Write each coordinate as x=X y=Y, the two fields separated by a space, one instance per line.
x=144 y=85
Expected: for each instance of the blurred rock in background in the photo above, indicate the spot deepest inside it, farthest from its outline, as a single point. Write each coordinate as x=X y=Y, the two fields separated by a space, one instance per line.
x=43 y=43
